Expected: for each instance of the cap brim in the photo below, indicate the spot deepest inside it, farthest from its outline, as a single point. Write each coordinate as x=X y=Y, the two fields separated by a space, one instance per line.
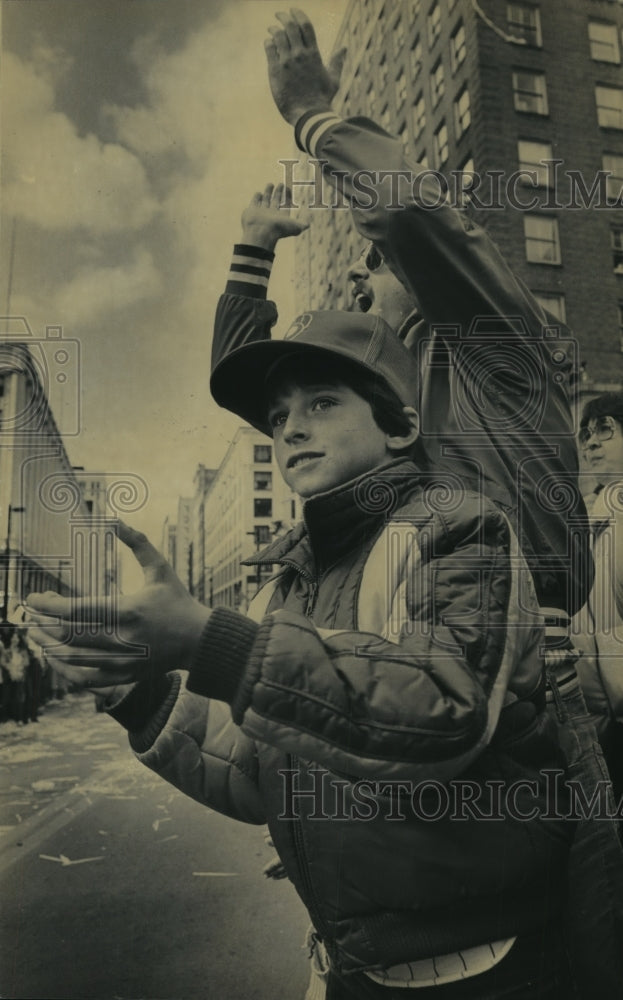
x=238 y=381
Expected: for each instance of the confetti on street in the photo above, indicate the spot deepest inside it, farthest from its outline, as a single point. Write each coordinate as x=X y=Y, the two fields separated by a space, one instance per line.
x=216 y=874
x=158 y=822
x=65 y=862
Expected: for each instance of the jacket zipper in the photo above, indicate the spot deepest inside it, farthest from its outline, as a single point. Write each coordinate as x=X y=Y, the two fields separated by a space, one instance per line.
x=311 y=599
x=301 y=855
x=310 y=602
x=297 y=824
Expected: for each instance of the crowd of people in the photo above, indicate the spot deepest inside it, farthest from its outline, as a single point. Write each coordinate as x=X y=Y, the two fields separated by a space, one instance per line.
x=422 y=633
x=26 y=683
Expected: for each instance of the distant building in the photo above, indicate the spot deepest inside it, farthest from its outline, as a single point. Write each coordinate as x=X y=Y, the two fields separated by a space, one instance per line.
x=49 y=538
x=183 y=539
x=168 y=546
x=522 y=101
x=199 y=528
x=246 y=506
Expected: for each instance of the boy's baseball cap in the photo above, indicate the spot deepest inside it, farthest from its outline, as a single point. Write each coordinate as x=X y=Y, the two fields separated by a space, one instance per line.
x=366 y=341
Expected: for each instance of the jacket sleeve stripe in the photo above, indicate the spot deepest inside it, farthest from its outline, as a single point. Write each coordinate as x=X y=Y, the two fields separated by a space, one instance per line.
x=243 y=275
x=310 y=130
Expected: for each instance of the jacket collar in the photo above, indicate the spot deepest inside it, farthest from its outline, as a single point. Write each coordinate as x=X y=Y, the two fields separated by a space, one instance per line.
x=336 y=522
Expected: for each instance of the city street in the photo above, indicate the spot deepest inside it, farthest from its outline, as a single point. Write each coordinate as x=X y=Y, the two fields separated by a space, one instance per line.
x=114 y=886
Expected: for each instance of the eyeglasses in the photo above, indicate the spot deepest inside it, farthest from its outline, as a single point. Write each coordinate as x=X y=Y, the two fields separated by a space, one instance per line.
x=602 y=430
x=372 y=258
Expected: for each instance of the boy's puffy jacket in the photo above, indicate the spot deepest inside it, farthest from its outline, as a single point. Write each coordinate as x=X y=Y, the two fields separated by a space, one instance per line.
x=384 y=702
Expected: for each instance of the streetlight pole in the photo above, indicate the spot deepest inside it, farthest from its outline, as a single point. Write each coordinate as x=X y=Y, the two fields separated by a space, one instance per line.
x=7 y=559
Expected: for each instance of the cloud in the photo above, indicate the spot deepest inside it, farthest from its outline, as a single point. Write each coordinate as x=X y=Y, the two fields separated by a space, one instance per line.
x=95 y=292
x=57 y=178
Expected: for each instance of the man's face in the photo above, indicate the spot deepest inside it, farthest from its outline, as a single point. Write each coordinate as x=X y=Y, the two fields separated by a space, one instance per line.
x=324 y=435
x=602 y=445
x=376 y=289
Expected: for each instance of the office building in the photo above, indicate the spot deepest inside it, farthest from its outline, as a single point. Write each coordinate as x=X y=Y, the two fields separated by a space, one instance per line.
x=51 y=534
x=246 y=507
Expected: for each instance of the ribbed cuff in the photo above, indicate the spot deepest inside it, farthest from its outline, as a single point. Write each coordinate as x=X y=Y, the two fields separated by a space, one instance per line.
x=142 y=740
x=249 y=271
x=311 y=127
x=222 y=655
x=135 y=710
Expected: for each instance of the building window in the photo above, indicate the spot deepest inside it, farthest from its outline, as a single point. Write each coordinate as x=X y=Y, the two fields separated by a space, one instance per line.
x=457 y=46
x=535 y=157
x=401 y=89
x=621 y=326
x=524 y=22
x=604 y=42
x=613 y=165
x=437 y=84
x=530 y=92
x=418 y=116
x=462 y=112
x=386 y=118
x=466 y=181
x=403 y=135
x=263 y=480
x=262 y=453
x=554 y=303
x=415 y=58
x=382 y=73
x=609 y=106
x=262 y=534
x=434 y=25
x=371 y=100
x=262 y=508
x=542 y=241
x=441 y=145
x=616 y=242
x=399 y=37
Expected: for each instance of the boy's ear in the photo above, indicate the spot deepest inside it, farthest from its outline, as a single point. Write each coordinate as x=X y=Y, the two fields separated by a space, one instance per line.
x=397 y=442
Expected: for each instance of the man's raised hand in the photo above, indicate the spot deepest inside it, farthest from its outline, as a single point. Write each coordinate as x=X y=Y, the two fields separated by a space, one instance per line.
x=99 y=643
x=267 y=219
x=298 y=78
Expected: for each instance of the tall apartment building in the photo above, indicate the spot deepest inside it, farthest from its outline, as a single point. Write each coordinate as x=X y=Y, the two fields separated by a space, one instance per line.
x=247 y=505
x=524 y=101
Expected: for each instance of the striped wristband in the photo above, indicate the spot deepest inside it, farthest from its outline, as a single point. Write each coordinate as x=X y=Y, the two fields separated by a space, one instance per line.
x=249 y=271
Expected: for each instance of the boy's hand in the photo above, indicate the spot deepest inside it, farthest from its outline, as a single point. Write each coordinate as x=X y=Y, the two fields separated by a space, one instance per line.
x=266 y=219
x=102 y=643
x=298 y=78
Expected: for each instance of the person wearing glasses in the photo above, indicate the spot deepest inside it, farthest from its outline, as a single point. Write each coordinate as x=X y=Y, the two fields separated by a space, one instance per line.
x=599 y=625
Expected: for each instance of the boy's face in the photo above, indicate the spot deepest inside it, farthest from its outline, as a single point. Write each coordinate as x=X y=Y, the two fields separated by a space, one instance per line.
x=324 y=435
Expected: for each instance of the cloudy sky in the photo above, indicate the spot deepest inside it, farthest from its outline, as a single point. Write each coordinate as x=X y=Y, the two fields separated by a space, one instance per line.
x=134 y=132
